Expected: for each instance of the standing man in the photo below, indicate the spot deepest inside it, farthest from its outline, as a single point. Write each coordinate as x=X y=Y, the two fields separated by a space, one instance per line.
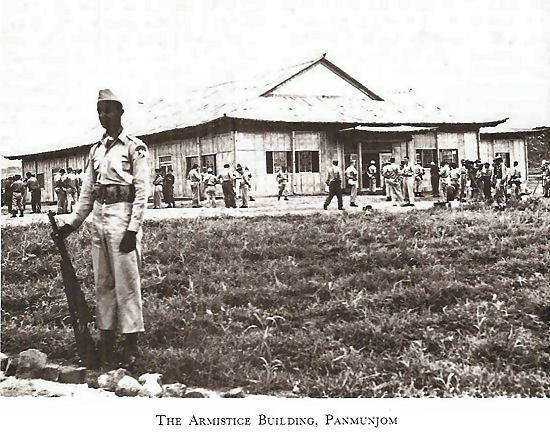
x=157 y=189
x=237 y=174
x=195 y=177
x=463 y=180
x=545 y=168
x=18 y=192
x=282 y=180
x=249 y=174
x=244 y=186
x=70 y=183
x=434 y=178
x=334 y=182
x=352 y=177
x=226 y=179
x=8 y=194
x=515 y=181
x=418 y=178
x=444 y=181
x=79 y=181
x=59 y=177
x=115 y=190
x=385 y=172
x=371 y=174
x=392 y=178
x=485 y=177
x=500 y=177
x=168 y=189
x=210 y=182
x=407 y=170
x=34 y=188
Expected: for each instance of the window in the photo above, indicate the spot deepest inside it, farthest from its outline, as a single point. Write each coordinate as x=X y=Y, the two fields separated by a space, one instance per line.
x=307 y=161
x=448 y=155
x=209 y=161
x=426 y=157
x=165 y=162
x=505 y=158
x=274 y=160
x=40 y=178
x=190 y=161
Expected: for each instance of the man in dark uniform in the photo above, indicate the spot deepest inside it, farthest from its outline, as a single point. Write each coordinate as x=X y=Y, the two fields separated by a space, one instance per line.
x=34 y=189
x=168 y=189
x=18 y=192
x=334 y=183
x=114 y=190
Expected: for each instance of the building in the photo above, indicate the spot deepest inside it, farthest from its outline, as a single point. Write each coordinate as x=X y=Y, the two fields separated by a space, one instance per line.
x=303 y=116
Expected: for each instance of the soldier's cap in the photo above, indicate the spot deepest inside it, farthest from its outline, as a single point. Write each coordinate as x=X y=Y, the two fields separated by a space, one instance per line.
x=209 y=170
x=107 y=95
x=498 y=158
x=373 y=162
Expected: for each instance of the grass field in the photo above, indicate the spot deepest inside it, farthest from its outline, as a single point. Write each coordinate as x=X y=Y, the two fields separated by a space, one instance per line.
x=435 y=303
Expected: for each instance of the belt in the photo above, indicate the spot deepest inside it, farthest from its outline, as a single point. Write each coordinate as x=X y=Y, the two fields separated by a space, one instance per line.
x=108 y=194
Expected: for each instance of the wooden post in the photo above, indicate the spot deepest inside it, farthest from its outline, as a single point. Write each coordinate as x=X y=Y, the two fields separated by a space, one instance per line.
x=478 y=144
x=293 y=160
x=360 y=166
x=436 y=149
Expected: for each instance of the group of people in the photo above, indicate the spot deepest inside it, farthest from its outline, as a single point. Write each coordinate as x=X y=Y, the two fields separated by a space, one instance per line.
x=15 y=192
x=67 y=186
x=163 y=188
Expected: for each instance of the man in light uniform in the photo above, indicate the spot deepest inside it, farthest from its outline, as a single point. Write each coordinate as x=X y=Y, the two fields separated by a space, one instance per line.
x=515 y=181
x=58 y=179
x=226 y=179
x=444 y=181
x=114 y=190
x=352 y=177
x=70 y=183
x=195 y=177
x=210 y=181
x=500 y=179
x=386 y=171
x=244 y=186
x=79 y=179
x=371 y=174
x=392 y=178
x=158 y=182
x=407 y=170
x=18 y=191
x=282 y=180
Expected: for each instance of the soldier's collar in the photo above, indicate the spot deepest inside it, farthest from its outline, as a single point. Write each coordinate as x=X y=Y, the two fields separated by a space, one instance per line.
x=120 y=137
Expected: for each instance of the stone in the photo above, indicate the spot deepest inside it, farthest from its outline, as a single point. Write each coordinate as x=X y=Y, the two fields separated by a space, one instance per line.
x=128 y=387
x=50 y=372
x=234 y=393
x=195 y=393
x=4 y=359
x=72 y=374
x=108 y=381
x=174 y=390
x=11 y=368
x=151 y=384
x=30 y=363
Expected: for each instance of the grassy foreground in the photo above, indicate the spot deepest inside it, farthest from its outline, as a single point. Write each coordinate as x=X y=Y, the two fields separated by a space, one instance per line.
x=427 y=303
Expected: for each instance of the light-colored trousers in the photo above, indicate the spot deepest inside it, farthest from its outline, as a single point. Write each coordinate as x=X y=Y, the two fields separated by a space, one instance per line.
x=71 y=198
x=353 y=194
x=395 y=191
x=117 y=280
x=195 y=191
x=211 y=195
x=244 y=194
x=61 y=200
x=408 y=186
x=157 y=196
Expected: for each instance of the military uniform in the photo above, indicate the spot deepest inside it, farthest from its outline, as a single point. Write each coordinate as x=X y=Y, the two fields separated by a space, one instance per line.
x=157 y=191
x=408 y=182
x=18 y=191
x=60 y=193
x=70 y=184
x=226 y=179
x=444 y=181
x=210 y=182
x=418 y=178
x=392 y=178
x=352 y=178
x=34 y=188
x=372 y=177
x=282 y=180
x=334 y=183
x=115 y=190
x=195 y=177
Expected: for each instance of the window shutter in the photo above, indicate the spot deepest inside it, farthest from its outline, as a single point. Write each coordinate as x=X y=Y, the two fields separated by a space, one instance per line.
x=315 y=161
x=269 y=162
x=289 y=161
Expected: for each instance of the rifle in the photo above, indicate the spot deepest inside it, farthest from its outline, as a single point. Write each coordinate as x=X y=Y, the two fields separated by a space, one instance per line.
x=78 y=307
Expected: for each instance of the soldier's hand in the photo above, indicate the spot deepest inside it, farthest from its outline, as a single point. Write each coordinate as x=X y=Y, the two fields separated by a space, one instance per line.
x=128 y=242
x=63 y=232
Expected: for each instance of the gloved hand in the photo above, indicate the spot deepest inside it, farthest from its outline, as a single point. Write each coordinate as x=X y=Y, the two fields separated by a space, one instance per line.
x=128 y=242
x=63 y=232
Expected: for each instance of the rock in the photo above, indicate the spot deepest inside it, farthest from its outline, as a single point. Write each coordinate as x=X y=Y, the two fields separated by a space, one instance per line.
x=72 y=374
x=128 y=386
x=50 y=372
x=108 y=381
x=4 y=359
x=234 y=393
x=195 y=393
x=151 y=384
x=30 y=363
x=11 y=368
x=174 y=390
x=3 y=377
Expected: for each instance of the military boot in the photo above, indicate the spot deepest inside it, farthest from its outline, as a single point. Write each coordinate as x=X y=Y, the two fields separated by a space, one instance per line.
x=21 y=213
x=129 y=350
x=107 y=353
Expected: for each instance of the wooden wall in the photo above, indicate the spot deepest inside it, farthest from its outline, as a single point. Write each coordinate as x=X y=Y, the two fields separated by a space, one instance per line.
x=489 y=147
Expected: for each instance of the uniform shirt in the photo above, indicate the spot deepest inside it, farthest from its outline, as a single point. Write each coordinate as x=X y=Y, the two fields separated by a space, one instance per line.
x=18 y=186
x=515 y=173
x=158 y=180
x=32 y=183
x=455 y=174
x=334 y=173
x=500 y=171
x=408 y=170
x=226 y=175
x=372 y=171
x=209 y=179
x=444 y=173
x=419 y=171
x=194 y=175
x=351 y=175
x=282 y=177
x=124 y=162
x=58 y=180
x=70 y=181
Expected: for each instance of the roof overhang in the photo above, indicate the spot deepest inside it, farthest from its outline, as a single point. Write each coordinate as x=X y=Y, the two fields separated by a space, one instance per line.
x=396 y=129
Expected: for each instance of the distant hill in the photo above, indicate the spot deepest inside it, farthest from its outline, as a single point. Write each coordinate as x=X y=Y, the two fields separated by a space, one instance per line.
x=538 y=148
x=10 y=171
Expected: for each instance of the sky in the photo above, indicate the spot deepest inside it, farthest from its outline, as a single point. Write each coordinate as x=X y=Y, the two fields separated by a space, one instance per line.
x=470 y=57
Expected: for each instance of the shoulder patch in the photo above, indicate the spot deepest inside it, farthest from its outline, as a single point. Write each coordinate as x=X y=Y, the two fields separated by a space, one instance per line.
x=141 y=150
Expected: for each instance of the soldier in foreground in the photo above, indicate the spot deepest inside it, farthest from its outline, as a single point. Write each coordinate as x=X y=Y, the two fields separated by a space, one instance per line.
x=114 y=190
